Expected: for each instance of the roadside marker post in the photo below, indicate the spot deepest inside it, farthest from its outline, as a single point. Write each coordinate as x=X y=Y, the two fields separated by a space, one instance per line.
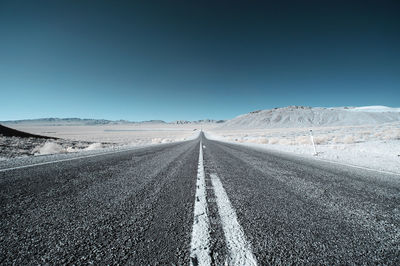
x=312 y=141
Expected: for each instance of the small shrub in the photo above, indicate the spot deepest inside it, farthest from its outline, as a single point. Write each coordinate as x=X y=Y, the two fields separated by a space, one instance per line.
x=263 y=141
x=94 y=146
x=273 y=140
x=156 y=140
x=48 y=148
x=391 y=134
x=321 y=140
x=302 y=140
x=285 y=142
x=349 y=140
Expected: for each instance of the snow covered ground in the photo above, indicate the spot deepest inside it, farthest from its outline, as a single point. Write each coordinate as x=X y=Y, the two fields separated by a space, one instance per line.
x=371 y=146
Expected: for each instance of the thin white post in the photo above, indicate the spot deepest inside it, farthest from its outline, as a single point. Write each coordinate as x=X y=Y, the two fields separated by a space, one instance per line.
x=312 y=141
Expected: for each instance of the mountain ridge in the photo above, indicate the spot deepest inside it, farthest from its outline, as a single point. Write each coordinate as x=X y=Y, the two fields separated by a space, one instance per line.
x=92 y=121
x=305 y=116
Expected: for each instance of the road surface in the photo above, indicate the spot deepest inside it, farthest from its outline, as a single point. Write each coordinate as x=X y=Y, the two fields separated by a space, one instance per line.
x=197 y=202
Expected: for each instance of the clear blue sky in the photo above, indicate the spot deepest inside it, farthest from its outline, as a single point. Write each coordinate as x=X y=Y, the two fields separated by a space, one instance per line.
x=141 y=60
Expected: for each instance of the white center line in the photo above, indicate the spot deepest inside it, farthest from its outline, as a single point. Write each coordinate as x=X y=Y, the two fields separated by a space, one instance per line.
x=200 y=244
x=239 y=249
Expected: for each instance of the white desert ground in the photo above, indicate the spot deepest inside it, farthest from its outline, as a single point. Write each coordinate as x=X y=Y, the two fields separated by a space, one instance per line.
x=133 y=134
x=76 y=137
x=375 y=147
x=365 y=136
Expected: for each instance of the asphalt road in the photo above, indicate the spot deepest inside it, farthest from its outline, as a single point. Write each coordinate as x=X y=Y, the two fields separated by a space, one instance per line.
x=142 y=206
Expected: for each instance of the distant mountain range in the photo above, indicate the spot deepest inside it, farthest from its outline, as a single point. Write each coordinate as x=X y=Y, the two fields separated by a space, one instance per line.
x=83 y=121
x=301 y=116
x=204 y=121
x=286 y=117
x=64 y=121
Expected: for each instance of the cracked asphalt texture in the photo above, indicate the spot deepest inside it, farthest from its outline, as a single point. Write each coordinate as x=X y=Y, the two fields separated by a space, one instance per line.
x=136 y=207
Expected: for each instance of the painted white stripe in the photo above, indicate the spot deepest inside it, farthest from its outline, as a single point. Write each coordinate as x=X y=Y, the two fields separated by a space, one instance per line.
x=64 y=160
x=239 y=249
x=200 y=244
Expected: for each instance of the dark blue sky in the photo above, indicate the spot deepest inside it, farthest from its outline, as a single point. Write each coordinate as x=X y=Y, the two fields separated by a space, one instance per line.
x=141 y=60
